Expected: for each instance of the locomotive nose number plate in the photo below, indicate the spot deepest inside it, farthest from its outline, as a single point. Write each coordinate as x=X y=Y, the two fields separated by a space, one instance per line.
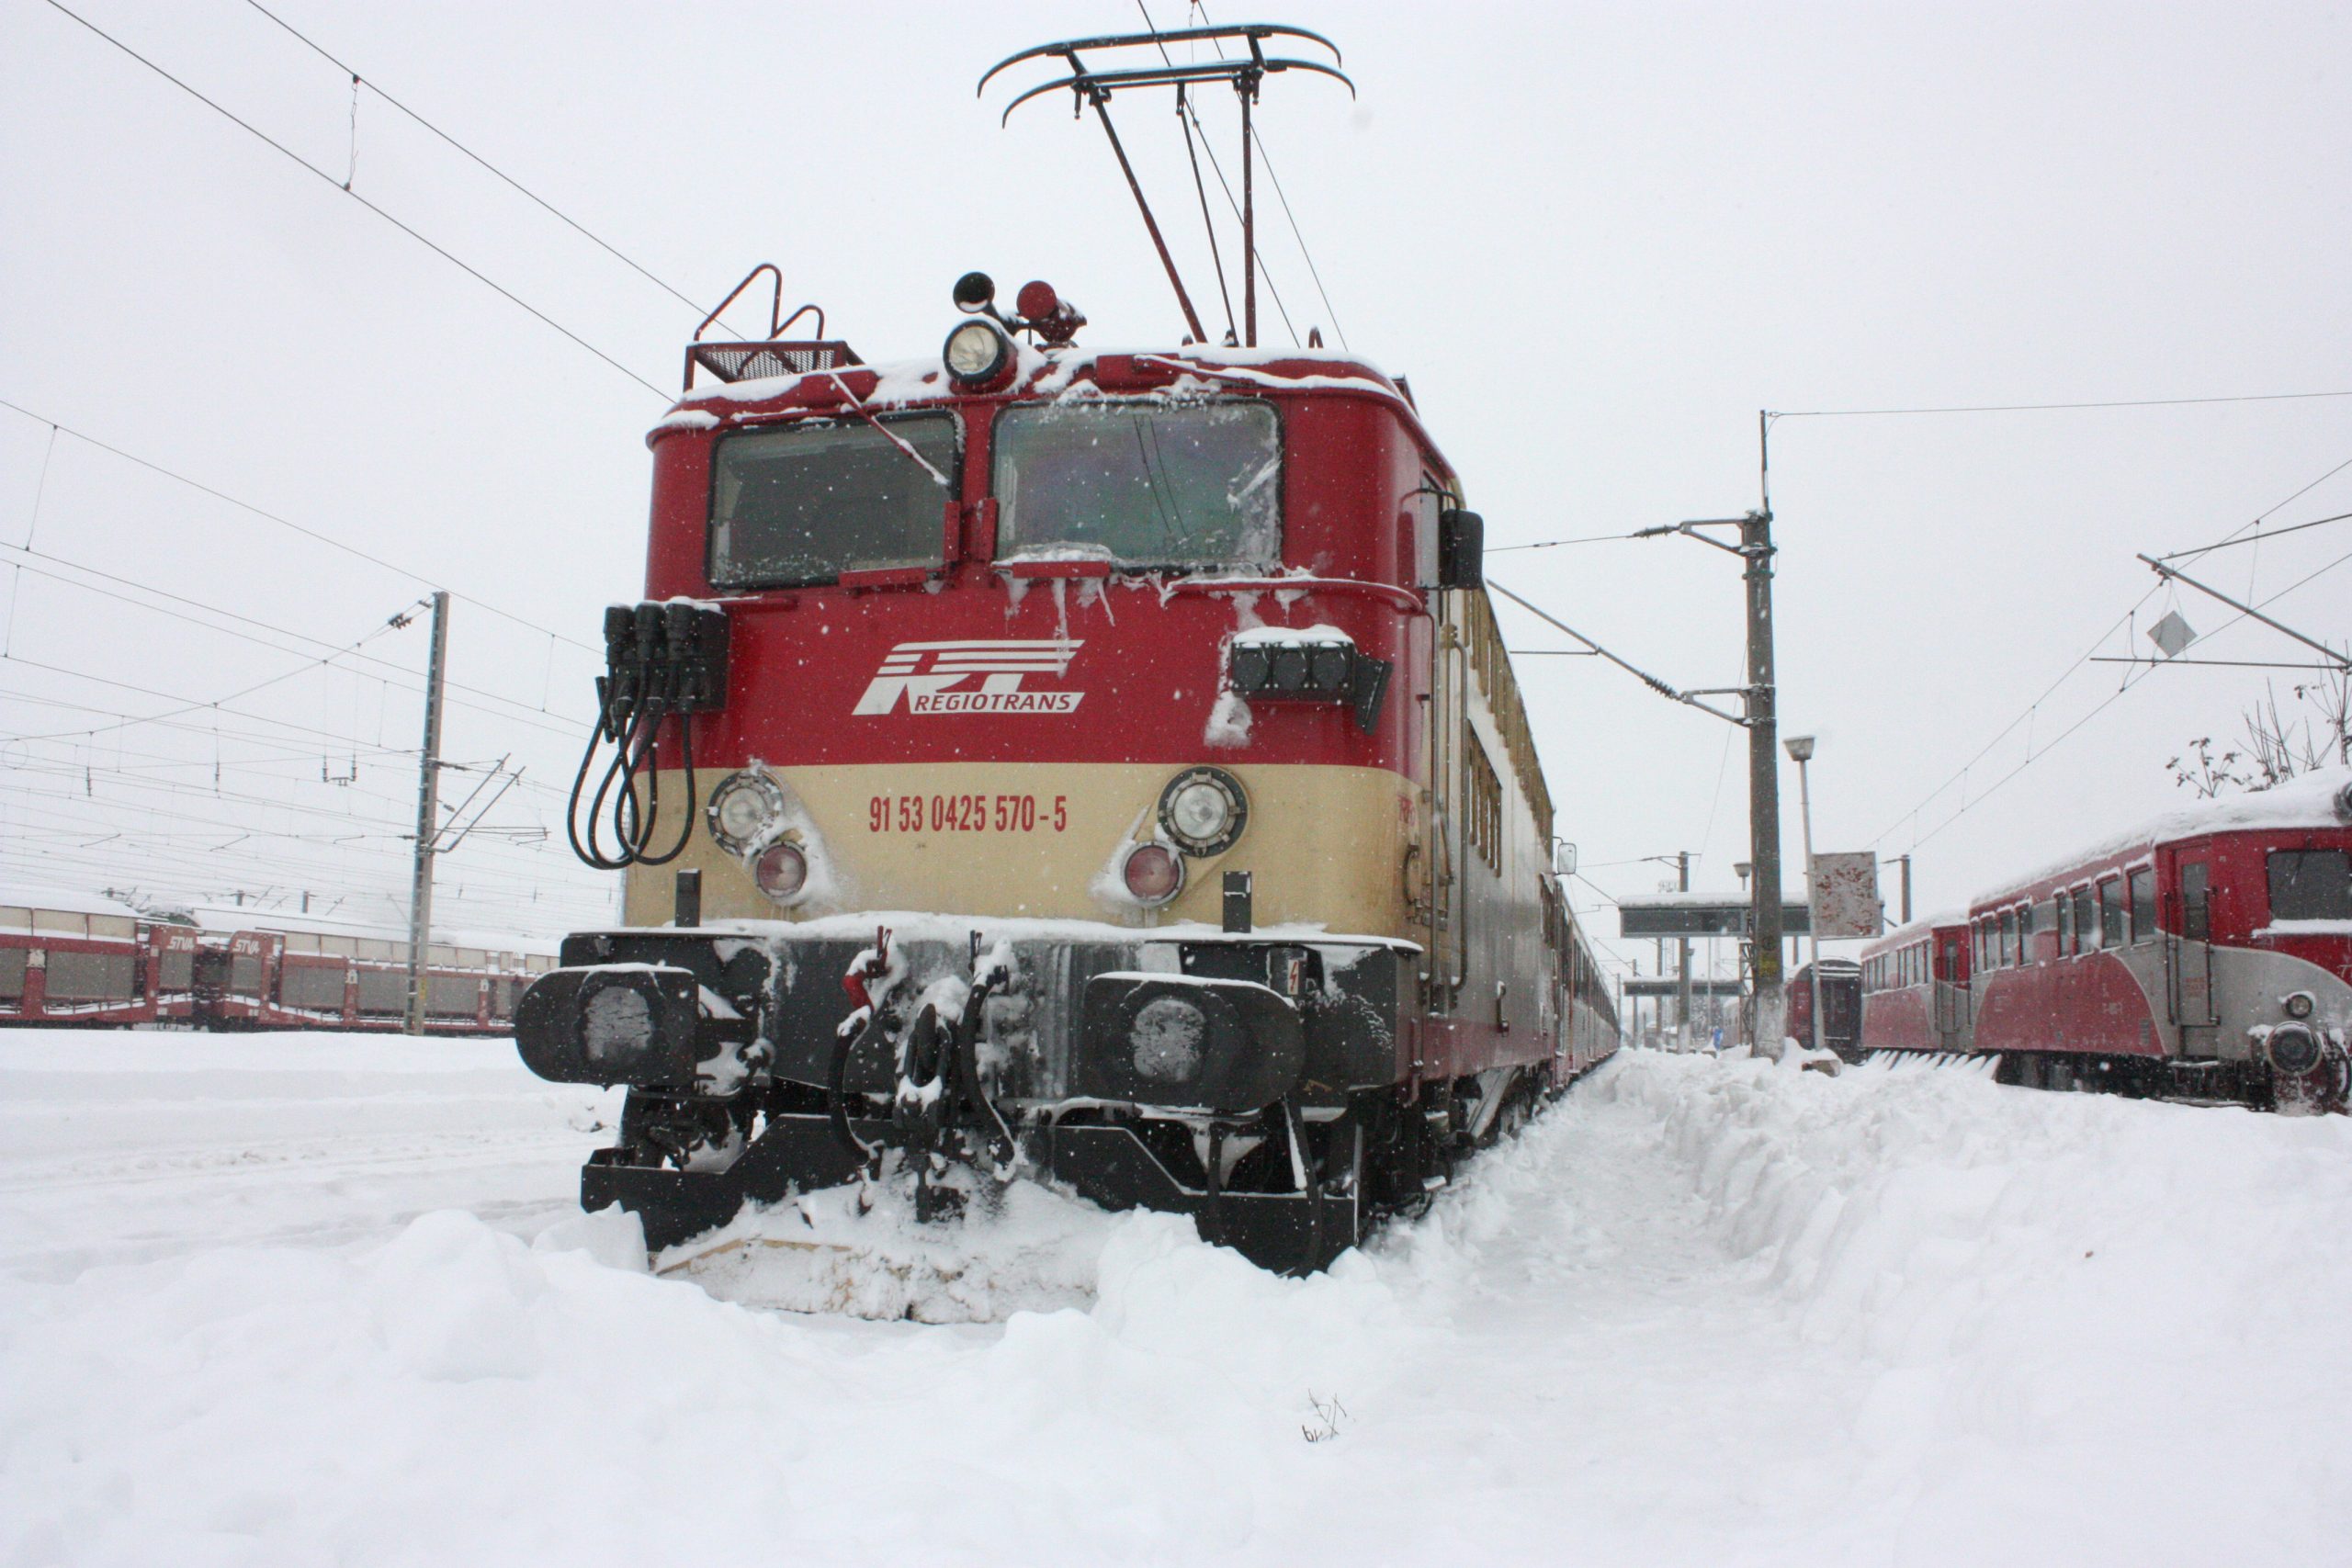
x=967 y=813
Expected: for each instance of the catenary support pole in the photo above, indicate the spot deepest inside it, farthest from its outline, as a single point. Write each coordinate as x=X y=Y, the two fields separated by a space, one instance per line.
x=428 y=816
x=1763 y=758
x=1904 y=862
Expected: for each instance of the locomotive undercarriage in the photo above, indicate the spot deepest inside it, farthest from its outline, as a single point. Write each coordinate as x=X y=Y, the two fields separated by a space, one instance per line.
x=1249 y=1082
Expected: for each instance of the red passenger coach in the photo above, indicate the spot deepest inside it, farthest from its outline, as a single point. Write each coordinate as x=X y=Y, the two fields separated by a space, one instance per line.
x=1916 y=986
x=1842 y=1006
x=1102 y=764
x=2207 y=955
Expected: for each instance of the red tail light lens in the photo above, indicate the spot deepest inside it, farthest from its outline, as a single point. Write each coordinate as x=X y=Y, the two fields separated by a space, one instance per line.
x=1154 y=873
x=782 y=871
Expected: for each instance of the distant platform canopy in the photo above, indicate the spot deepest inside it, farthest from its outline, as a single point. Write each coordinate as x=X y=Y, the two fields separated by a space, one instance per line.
x=1668 y=985
x=1699 y=914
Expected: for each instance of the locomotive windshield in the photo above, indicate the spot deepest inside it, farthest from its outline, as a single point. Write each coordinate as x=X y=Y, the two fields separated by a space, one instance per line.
x=2310 y=885
x=1141 y=484
x=802 y=504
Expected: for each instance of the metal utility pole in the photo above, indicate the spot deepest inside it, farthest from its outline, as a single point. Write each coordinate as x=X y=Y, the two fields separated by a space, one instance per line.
x=1763 y=752
x=1682 y=1002
x=1904 y=862
x=428 y=818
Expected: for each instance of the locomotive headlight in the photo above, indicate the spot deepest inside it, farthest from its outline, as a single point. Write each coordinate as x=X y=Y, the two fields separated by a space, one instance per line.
x=2299 y=1005
x=1204 y=810
x=976 y=352
x=744 y=809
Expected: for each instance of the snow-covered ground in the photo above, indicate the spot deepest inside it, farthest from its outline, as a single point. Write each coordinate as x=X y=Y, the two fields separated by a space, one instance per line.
x=324 y=1301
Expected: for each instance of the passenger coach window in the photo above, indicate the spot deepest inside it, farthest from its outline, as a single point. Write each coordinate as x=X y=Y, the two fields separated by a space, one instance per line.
x=2085 y=921
x=2310 y=885
x=2008 y=937
x=2196 y=911
x=1140 y=484
x=2143 y=904
x=2065 y=925
x=2110 y=913
x=801 y=504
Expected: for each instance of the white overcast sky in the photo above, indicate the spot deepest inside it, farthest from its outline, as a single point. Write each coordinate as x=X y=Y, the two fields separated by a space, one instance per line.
x=1597 y=238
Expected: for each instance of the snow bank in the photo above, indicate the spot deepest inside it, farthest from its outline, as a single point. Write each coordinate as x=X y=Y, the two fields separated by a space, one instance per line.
x=1703 y=1312
x=2097 y=1329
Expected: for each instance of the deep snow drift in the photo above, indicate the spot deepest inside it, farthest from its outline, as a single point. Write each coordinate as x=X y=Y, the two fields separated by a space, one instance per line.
x=1703 y=1312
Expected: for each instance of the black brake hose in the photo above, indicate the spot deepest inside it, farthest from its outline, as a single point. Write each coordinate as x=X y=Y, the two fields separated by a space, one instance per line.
x=968 y=1061
x=837 y=1092
x=571 y=810
x=686 y=818
x=629 y=819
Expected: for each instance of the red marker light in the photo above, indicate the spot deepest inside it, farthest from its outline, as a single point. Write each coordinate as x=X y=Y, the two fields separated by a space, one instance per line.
x=782 y=871
x=1036 y=300
x=1153 y=872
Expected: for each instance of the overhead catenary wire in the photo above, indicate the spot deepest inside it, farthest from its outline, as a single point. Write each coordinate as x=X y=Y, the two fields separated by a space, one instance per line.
x=269 y=516
x=2049 y=408
x=2242 y=537
x=445 y=255
x=2129 y=681
x=1580 y=539
x=526 y=192
x=564 y=725
x=2085 y=659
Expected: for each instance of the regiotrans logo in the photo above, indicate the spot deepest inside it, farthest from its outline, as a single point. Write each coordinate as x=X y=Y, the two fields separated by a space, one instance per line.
x=931 y=677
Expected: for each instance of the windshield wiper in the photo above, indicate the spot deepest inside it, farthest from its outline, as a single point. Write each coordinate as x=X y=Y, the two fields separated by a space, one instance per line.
x=859 y=408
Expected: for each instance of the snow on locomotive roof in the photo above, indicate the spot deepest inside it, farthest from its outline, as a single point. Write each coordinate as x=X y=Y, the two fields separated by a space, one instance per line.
x=2317 y=799
x=901 y=382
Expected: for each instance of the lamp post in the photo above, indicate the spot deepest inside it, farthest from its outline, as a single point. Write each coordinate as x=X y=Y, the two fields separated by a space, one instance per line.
x=1801 y=749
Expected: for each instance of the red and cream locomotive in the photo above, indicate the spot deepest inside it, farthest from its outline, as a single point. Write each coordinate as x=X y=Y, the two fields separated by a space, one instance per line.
x=2208 y=956
x=1102 y=765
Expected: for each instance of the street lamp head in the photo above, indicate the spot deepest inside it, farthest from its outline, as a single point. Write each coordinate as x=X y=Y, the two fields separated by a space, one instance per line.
x=1801 y=747
x=1743 y=868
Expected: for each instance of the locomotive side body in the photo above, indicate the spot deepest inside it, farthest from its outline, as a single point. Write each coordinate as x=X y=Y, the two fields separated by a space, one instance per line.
x=1114 y=732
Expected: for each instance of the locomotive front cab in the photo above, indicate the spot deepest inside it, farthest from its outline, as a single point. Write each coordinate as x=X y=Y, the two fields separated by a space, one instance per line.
x=972 y=697
x=1033 y=761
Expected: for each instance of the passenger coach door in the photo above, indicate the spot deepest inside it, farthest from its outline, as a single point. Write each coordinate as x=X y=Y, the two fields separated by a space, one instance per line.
x=2188 y=946
x=1951 y=987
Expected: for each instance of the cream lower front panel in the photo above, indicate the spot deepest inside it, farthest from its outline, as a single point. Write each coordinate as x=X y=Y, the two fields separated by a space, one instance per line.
x=1324 y=845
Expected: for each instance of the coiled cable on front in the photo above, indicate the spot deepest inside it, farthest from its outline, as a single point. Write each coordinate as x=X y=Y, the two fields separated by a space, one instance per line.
x=661 y=661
